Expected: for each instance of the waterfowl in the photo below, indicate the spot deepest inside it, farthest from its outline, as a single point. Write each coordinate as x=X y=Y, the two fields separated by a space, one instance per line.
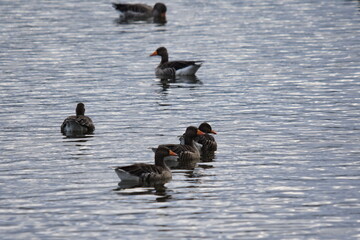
x=173 y=68
x=139 y=11
x=205 y=143
x=145 y=173
x=79 y=124
x=188 y=151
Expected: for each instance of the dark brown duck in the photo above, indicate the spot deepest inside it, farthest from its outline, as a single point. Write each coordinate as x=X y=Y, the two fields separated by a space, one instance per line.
x=138 y=12
x=79 y=124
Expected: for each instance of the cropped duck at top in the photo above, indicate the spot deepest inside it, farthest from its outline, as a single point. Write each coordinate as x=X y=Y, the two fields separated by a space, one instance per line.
x=139 y=12
x=145 y=173
x=173 y=68
x=79 y=124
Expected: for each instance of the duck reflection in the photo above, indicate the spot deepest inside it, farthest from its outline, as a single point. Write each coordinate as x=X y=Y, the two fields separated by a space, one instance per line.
x=178 y=82
x=78 y=137
x=157 y=189
x=191 y=79
x=77 y=146
x=158 y=22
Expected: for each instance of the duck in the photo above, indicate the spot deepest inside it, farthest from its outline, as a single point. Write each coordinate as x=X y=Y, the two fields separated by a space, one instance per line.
x=205 y=143
x=79 y=124
x=174 y=68
x=187 y=152
x=146 y=173
x=138 y=12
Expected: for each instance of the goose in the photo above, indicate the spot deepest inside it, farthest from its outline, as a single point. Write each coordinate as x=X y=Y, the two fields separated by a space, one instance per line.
x=174 y=68
x=140 y=12
x=205 y=143
x=187 y=152
x=79 y=124
x=145 y=173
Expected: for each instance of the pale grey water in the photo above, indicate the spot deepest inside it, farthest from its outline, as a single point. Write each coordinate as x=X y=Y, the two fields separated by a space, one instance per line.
x=280 y=85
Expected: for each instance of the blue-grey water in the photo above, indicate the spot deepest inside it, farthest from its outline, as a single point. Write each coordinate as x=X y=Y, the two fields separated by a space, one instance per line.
x=280 y=84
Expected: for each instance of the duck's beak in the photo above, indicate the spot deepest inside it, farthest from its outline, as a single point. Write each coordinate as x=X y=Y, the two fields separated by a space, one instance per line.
x=212 y=131
x=199 y=132
x=154 y=54
x=171 y=153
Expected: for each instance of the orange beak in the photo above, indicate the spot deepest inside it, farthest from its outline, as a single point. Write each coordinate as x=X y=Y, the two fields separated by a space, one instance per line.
x=200 y=132
x=171 y=153
x=153 y=54
x=212 y=131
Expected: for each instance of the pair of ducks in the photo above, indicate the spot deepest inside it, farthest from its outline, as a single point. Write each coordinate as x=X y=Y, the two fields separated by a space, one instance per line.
x=194 y=143
x=158 y=14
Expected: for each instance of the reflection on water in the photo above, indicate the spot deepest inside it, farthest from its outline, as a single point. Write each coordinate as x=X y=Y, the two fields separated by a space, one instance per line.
x=179 y=82
x=79 y=137
x=144 y=189
x=191 y=79
x=120 y=21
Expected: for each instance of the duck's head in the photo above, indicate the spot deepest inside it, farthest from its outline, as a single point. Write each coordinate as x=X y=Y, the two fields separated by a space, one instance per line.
x=164 y=151
x=206 y=128
x=159 y=10
x=80 y=109
x=193 y=132
x=161 y=51
x=161 y=152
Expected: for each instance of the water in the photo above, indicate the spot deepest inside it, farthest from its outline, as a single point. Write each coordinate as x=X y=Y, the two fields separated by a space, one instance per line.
x=280 y=85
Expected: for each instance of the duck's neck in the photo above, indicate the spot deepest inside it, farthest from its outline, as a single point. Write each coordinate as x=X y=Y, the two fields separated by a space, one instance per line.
x=188 y=140
x=164 y=59
x=159 y=161
x=80 y=111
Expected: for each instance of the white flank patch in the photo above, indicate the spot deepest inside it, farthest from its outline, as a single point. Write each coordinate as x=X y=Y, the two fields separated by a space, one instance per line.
x=190 y=70
x=125 y=176
x=198 y=146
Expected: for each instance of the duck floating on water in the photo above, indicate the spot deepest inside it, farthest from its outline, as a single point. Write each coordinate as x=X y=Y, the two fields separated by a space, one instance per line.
x=141 y=12
x=78 y=124
x=174 y=68
x=145 y=173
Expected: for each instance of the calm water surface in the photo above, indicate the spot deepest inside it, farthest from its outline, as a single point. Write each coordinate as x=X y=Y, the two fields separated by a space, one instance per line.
x=280 y=85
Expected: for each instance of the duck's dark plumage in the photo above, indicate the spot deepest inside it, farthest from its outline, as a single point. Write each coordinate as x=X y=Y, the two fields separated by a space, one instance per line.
x=141 y=8
x=141 y=12
x=207 y=141
x=79 y=124
x=187 y=151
